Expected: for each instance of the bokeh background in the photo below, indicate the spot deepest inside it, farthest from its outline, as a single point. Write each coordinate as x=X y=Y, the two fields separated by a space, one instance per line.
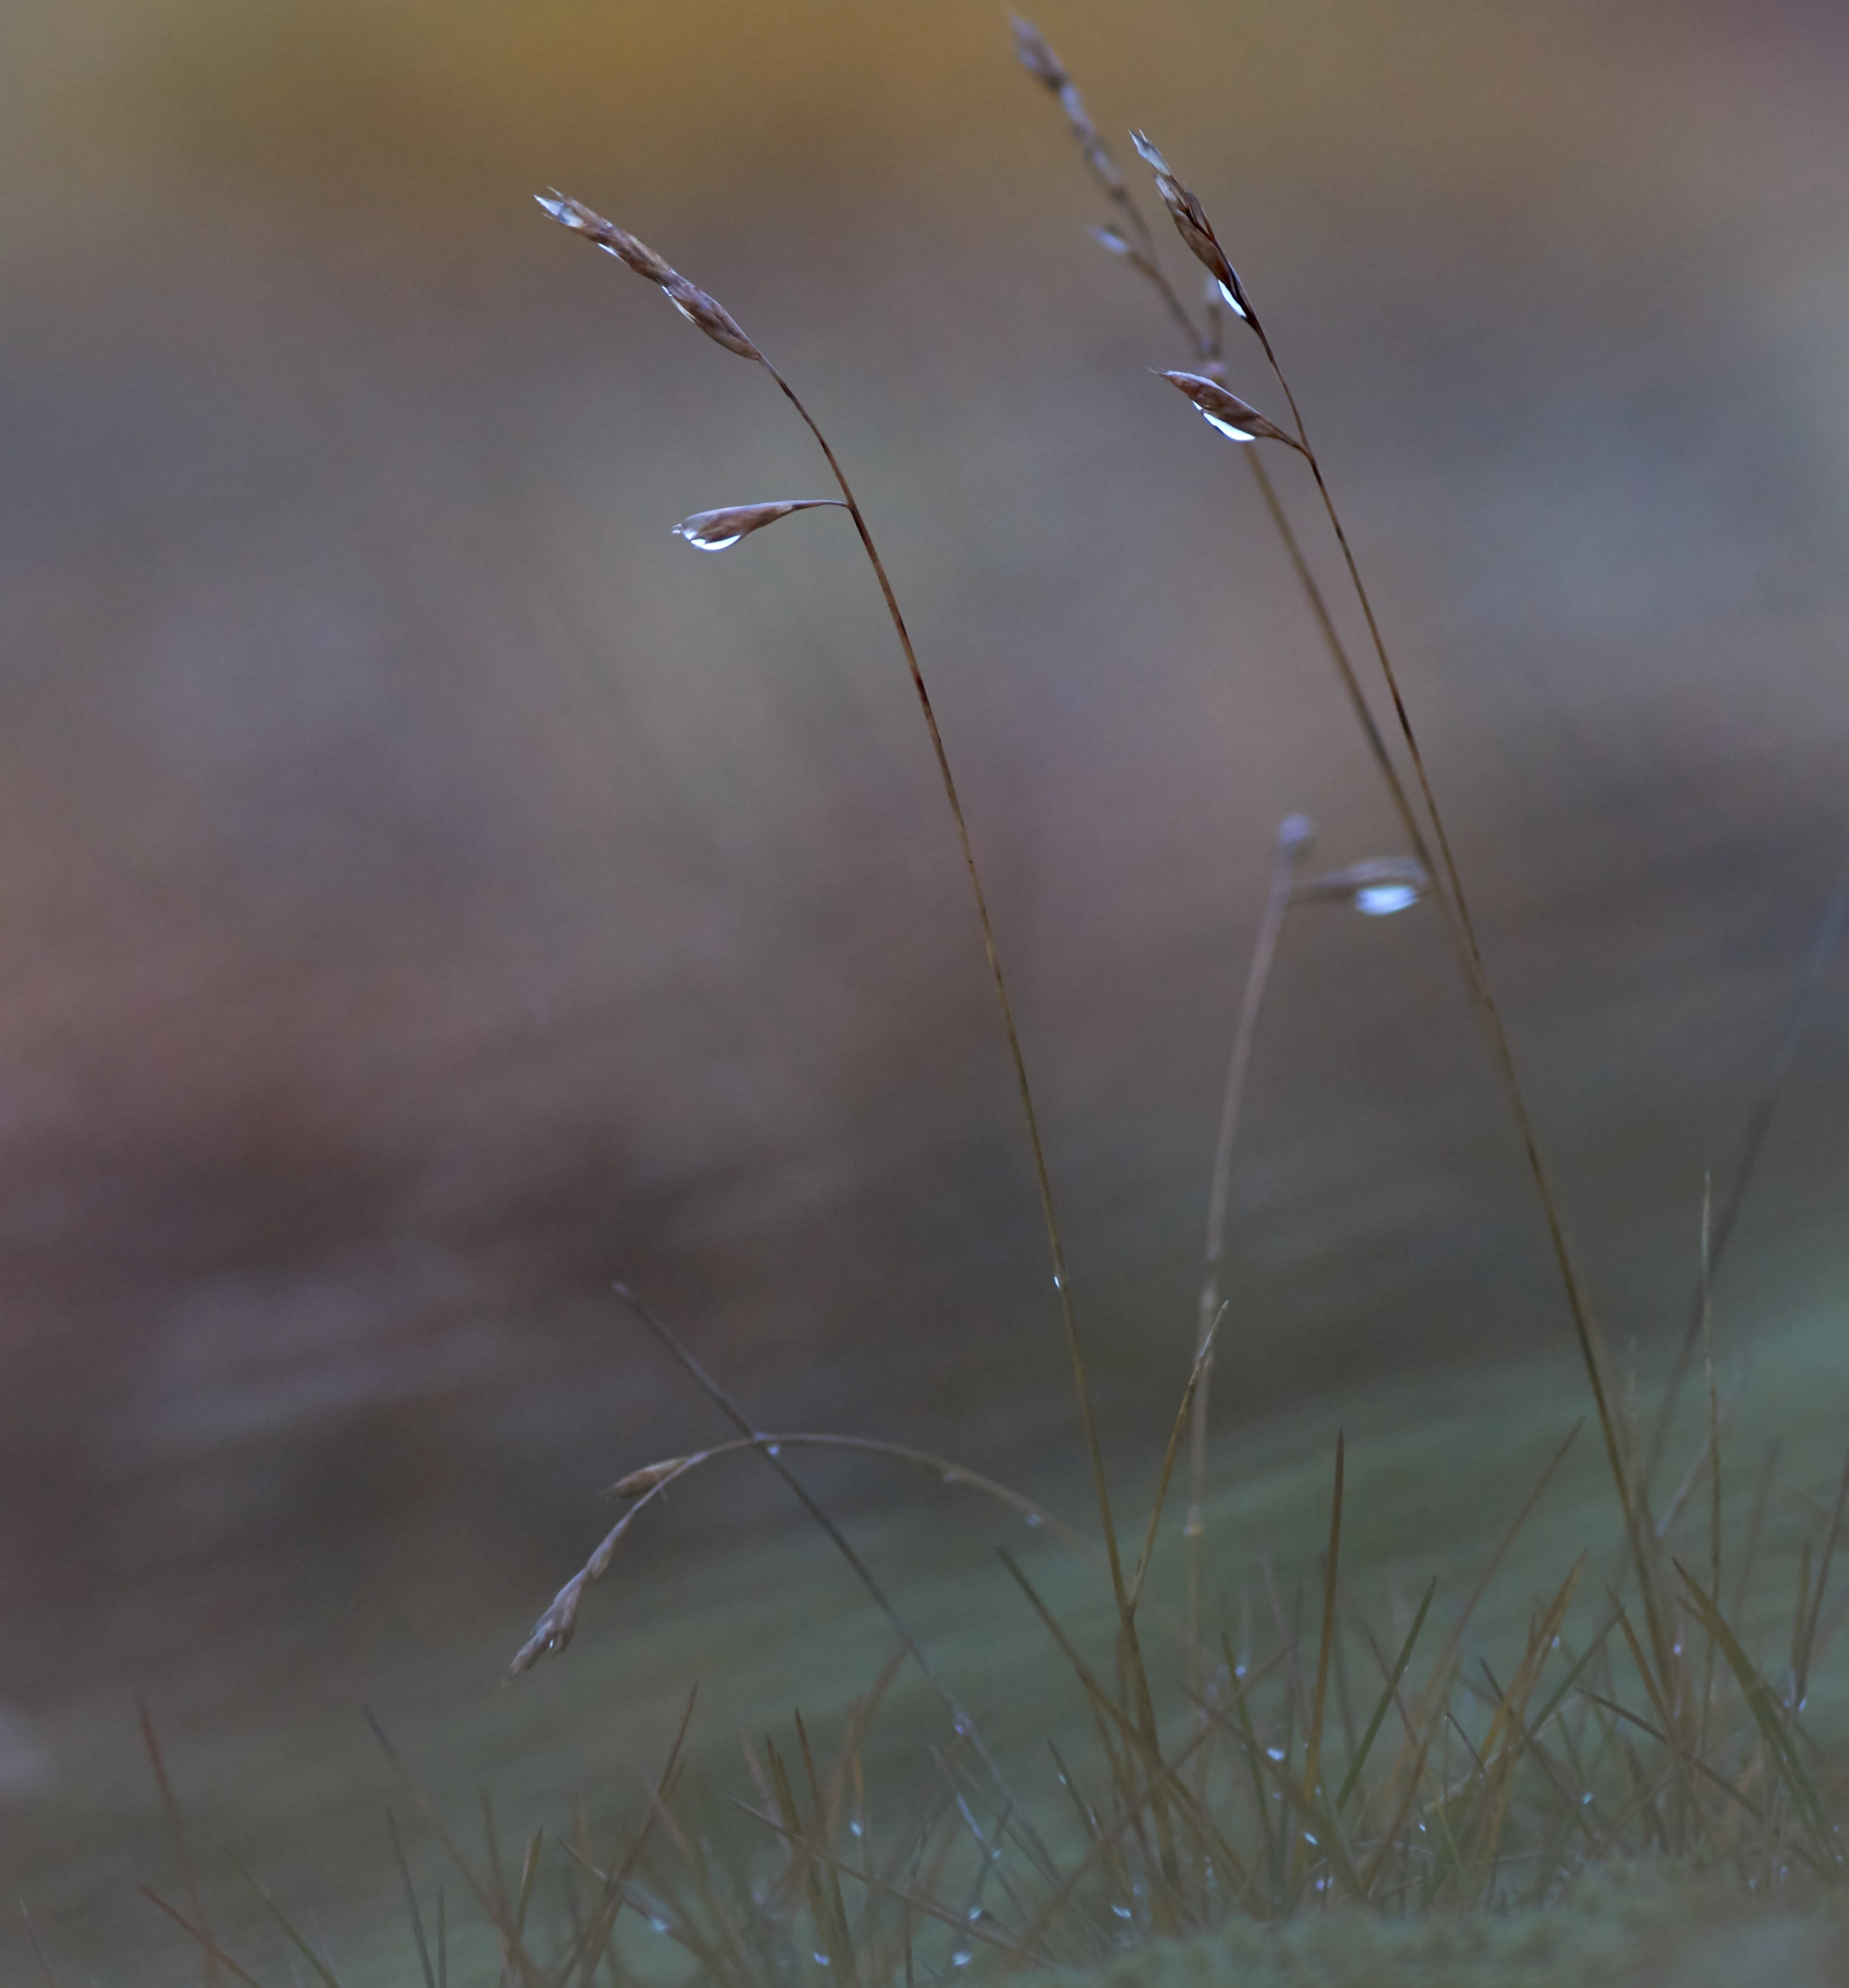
x=429 y=891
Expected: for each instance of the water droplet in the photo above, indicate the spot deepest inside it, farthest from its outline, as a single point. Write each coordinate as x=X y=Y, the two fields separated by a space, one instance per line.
x=1057 y=1284
x=1033 y=1518
x=960 y=1958
x=707 y=544
x=1274 y=1753
x=975 y=1913
x=773 y=1449
x=1123 y=1911
x=1227 y=428
x=1231 y=301
x=656 y=1924
x=1585 y=1799
x=855 y=1829
x=1381 y=900
x=821 y=1960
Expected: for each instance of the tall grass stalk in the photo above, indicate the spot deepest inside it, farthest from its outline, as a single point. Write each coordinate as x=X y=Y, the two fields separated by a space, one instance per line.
x=706 y=315
x=1256 y=1791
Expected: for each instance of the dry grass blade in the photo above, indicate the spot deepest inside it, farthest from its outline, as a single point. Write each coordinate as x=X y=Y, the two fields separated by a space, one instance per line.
x=38 y=1945
x=324 y=1972
x=1169 y=1778
x=493 y=1903
x=593 y=1942
x=1352 y=1779
x=1774 y=1728
x=176 y=1828
x=215 y=1955
x=1803 y=1655
x=1184 y=1417
x=411 y=1898
x=1753 y=1141
x=1312 y=1763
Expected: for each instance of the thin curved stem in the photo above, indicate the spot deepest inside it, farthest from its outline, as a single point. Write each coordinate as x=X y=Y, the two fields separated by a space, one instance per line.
x=1586 y=1331
x=1292 y=838
x=1062 y=1284
x=945 y=1469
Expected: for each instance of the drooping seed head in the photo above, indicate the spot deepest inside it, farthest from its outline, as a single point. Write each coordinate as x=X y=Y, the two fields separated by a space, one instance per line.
x=1035 y=54
x=692 y=302
x=1192 y=225
x=614 y=241
x=710 y=316
x=648 y=1477
x=1238 y=420
x=712 y=531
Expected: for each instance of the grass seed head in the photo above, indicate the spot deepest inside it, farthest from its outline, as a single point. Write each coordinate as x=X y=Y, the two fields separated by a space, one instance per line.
x=650 y=1474
x=712 y=531
x=1035 y=54
x=689 y=299
x=1192 y=225
x=1238 y=420
x=711 y=317
x=614 y=241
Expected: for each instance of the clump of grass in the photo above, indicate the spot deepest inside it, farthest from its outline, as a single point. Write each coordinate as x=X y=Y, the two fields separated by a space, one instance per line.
x=1356 y=1769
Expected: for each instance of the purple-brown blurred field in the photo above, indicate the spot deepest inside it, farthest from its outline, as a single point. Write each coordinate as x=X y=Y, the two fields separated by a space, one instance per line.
x=430 y=891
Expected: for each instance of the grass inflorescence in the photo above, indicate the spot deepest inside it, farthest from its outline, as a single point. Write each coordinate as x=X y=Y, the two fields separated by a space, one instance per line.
x=1332 y=1756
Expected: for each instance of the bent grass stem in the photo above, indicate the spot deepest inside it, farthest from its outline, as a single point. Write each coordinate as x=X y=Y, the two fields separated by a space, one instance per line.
x=1043 y=1180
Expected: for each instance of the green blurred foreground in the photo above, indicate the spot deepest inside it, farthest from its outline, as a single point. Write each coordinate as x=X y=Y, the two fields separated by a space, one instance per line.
x=1435 y=1471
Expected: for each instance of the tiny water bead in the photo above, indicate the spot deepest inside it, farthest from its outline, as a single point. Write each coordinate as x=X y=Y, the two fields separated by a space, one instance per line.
x=1381 y=900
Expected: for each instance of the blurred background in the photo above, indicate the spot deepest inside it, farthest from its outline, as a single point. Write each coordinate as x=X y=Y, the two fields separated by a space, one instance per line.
x=429 y=891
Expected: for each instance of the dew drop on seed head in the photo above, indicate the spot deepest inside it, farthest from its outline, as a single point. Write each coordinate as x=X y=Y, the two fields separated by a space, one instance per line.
x=1227 y=428
x=1231 y=301
x=773 y=1449
x=1123 y=1911
x=960 y=1958
x=1381 y=900
x=821 y=1960
x=656 y=1925
x=1274 y=1753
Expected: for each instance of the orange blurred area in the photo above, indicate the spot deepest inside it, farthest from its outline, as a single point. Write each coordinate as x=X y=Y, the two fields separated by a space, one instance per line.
x=430 y=892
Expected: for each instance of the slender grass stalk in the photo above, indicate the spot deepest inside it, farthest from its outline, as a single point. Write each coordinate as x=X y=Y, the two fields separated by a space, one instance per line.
x=1197 y=233
x=708 y=316
x=1801 y=1006
x=176 y=1829
x=1043 y=1179
x=1293 y=836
